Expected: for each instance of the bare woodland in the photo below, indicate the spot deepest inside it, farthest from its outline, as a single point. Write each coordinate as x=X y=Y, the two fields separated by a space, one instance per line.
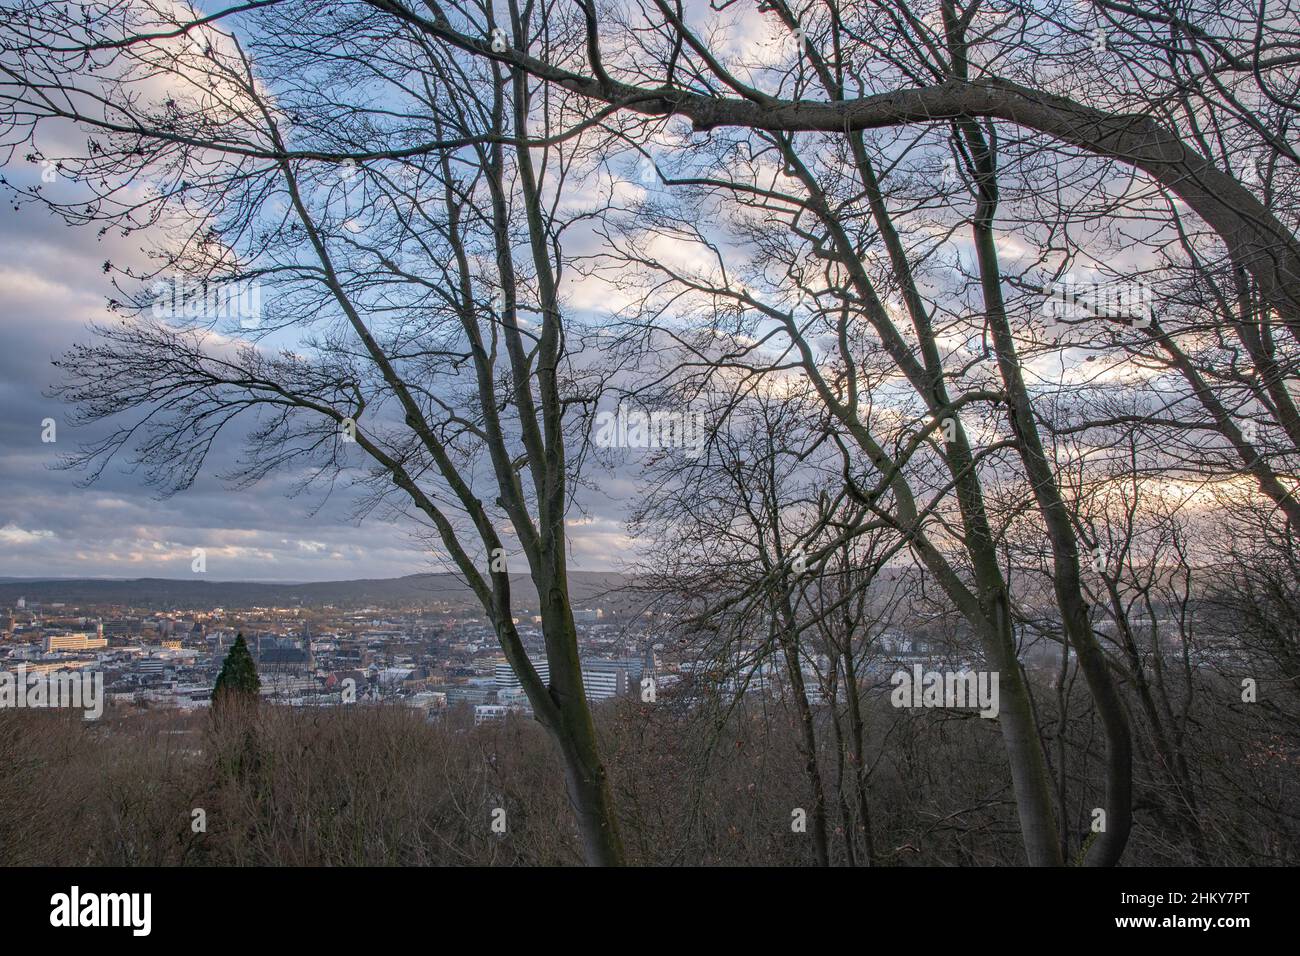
x=832 y=230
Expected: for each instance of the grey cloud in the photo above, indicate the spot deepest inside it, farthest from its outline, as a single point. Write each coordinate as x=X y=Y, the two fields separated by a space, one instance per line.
x=51 y=287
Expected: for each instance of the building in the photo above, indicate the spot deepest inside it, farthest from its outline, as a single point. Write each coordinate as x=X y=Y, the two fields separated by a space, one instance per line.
x=513 y=697
x=467 y=694
x=417 y=680
x=431 y=702
x=506 y=679
x=489 y=713
x=636 y=667
x=78 y=641
x=602 y=679
x=283 y=656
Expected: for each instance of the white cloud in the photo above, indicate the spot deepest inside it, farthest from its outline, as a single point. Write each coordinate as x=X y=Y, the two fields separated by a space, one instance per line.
x=15 y=536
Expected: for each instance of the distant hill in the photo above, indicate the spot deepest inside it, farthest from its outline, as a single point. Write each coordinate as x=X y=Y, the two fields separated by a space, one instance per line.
x=179 y=593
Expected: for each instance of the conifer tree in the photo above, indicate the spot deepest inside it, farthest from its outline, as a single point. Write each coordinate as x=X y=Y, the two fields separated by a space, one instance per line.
x=238 y=673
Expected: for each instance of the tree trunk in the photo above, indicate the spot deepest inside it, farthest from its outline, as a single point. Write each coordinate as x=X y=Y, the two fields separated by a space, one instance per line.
x=575 y=733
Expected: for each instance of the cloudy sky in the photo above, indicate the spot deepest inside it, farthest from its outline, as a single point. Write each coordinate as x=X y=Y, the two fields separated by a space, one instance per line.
x=52 y=285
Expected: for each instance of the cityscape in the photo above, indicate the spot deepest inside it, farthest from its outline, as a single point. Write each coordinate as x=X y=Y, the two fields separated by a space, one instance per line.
x=435 y=656
x=431 y=658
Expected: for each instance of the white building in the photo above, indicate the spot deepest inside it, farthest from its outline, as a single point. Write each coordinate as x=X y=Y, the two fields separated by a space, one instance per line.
x=507 y=679
x=602 y=683
x=602 y=679
x=489 y=713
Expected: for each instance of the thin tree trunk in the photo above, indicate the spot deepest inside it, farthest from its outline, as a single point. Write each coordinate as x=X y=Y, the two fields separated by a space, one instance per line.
x=858 y=756
x=1066 y=580
x=807 y=735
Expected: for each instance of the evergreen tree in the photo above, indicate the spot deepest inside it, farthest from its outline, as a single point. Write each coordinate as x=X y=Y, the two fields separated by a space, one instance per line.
x=238 y=673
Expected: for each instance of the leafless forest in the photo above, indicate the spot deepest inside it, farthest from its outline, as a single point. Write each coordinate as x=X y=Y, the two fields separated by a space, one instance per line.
x=989 y=312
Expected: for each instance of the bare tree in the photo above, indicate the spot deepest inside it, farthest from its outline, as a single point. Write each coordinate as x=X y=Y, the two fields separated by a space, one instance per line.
x=400 y=202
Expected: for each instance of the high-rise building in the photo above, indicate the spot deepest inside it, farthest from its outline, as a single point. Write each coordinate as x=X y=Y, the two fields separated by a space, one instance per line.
x=506 y=679
x=602 y=679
